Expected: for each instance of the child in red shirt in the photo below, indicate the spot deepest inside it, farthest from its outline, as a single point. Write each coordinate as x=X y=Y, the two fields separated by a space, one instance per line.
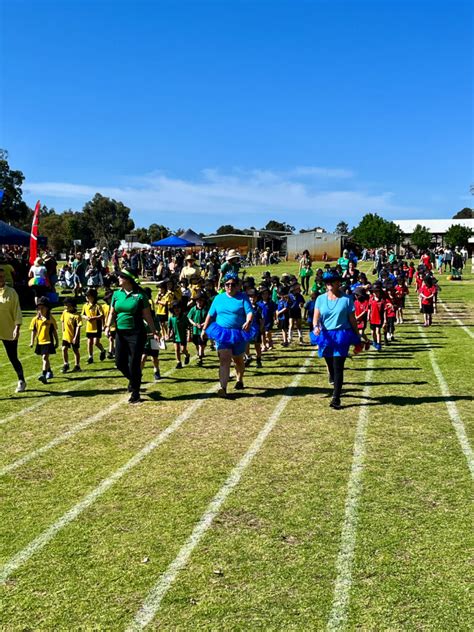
x=376 y=314
x=390 y=315
x=361 y=307
x=401 y=291
x=411 y=272
x=427 y=296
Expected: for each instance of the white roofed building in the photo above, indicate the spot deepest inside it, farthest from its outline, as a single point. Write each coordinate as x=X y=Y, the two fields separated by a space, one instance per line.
x=437 y=227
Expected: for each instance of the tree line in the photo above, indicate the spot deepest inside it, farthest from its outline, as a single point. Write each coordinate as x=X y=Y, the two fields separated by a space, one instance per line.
x=105 y=222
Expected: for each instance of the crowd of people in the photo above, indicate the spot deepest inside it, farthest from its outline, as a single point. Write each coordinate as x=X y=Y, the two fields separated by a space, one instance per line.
x=216 y=305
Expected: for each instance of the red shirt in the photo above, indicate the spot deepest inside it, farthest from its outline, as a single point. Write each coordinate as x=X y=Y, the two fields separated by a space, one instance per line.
x=427 y=295
x=411 y=272
x=426 y=260
x=361 y=309
x=377 y=308
x=390 y=308
x=401 y=290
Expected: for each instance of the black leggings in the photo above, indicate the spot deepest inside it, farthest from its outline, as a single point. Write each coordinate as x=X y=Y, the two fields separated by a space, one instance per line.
x=129 y=345
x=335 y=366
x=11 y=347
x=305 y=284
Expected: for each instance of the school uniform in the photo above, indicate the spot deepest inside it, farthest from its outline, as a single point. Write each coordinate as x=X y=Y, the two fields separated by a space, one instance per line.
x=44 y=339
x=284 y=317
x=197 y=315
x=377 y=311
x=93 y=327
x=71 y=322
x=268 y=310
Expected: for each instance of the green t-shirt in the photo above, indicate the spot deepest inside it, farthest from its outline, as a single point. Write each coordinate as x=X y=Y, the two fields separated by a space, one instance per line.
x=129 y=308
x=344 y=263
x=229 y=266
x=179 y=325
x=197 y=316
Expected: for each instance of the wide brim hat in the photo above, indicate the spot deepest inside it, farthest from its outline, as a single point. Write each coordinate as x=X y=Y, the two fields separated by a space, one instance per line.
x=190 y=257
x=232 y=254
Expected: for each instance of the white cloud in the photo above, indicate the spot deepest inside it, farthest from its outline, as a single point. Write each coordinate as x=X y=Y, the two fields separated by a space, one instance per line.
x=301 y=196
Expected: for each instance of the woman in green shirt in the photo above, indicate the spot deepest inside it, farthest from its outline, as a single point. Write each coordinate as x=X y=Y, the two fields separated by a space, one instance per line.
x=128 y=308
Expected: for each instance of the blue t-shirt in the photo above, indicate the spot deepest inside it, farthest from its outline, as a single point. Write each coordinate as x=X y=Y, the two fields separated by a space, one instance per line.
x=335 y=314
x=309 y=307
x=231 y=311
x=296 y=301
x=268 y=311
x=282 y=305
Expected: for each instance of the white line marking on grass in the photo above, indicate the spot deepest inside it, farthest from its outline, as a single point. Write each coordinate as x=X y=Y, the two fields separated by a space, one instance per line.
x=38 y=543
x=459 y=322
x=82 y=425
x=13 y=385
x=153 y=601
x=345 y=559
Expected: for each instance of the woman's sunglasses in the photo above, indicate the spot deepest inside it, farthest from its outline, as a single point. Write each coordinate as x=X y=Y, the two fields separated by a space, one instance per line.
x=231 y=284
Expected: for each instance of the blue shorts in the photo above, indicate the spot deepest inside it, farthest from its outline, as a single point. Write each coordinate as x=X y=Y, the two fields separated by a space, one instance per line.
x=237 y=349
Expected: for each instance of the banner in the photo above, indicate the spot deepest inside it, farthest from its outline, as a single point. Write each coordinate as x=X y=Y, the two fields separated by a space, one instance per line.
x=34 y=234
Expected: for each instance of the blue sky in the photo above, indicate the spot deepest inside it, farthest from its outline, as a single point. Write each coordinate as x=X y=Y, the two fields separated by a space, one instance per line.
x=197 y=114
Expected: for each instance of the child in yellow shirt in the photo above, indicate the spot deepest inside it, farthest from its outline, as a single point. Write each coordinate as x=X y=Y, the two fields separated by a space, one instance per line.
x=44 y=330
x=71 y=324
x=112 y=328
x=94 y=316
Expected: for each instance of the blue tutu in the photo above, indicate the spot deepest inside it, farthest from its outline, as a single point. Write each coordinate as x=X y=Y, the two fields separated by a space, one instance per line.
x=227 y=336
x=334 y=342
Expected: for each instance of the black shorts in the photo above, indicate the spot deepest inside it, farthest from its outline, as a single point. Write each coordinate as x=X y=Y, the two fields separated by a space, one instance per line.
x=97 y=334
x=112 y=333
x=162 y=318
x=284 y=324
x=198 y=341
x=45 y=348
x=427 y=309
x=71 y=345
x=375 y=327
x=151 y=353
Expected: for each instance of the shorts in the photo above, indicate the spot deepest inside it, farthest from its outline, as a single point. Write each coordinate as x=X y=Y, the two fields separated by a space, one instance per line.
x=268 y=326
x=427 y=309
x=295 y=314
x=162 y=318
x=402 y=302
x=374 y=327
x=94 y=334
x=198 y=341
x=284 y=324
x=45 y=348
x=237 y=349
x=151 y=353
x=70 y=345
x=112 y=333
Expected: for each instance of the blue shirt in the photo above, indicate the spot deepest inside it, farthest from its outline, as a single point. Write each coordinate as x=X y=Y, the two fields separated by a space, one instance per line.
x=268 y=310
x=231 y=311
x=309 y=307
x=335 y=314
x=282 y=305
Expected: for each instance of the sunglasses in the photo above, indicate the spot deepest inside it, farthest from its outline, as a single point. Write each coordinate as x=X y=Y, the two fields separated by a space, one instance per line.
x=231 y=284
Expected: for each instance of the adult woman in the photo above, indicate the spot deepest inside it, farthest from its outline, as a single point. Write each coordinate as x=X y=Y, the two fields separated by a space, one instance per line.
x=128 y=308
x=344 y=260
x=305 y=271
x=38 y=278
x=228 y=323
x=10 y=323
x=335 y=330
x=190 y=269
x=231 y=264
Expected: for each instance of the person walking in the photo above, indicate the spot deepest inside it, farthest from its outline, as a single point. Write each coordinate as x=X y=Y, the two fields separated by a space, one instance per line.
x=129 y=307
x=228 y=323
x=305 y=271
x=334 y=331
x=10 y=323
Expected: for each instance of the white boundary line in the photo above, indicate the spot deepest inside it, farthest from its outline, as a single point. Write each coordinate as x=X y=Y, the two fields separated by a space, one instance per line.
x=154 y=598
x=13 y=384
x=85 y=423
x=345 y=558
x=453 y=412
x=44 y=538
x=459 y=322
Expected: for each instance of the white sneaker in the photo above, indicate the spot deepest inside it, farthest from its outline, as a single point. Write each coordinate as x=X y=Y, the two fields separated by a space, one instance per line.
x=21 y=388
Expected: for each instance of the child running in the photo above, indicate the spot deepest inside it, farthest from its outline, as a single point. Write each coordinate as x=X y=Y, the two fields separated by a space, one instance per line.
x=71 y=324
x=361 y=307
x=45 y=331
x=94 y=316
x=257 y=322
x=197 y=316
x=178 y=331
x=427 y=297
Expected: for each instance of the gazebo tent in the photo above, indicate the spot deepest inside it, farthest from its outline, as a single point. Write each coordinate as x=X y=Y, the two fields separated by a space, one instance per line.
x=190 y=235
x=172 y=242
x=11 y=236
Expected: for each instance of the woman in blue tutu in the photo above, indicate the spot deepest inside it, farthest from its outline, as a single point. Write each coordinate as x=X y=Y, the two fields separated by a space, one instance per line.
x=229 y=324
x=334 y=331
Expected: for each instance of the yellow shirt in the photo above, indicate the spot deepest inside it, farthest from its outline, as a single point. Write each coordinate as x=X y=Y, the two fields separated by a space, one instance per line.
x=89 y=310
x=9 y=271
x=71 y=322
x=106 y=309
x=42 y=327
x=160 y=309
x=10 y=312
x=172 y=296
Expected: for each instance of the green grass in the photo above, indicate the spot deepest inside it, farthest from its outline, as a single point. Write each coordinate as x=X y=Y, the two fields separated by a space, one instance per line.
x=268 y=562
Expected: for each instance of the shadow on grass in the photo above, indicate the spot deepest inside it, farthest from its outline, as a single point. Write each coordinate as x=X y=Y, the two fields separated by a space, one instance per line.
x=399 y=400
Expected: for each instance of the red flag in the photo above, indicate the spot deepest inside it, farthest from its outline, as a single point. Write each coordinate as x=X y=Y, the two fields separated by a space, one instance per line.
x=34 y=234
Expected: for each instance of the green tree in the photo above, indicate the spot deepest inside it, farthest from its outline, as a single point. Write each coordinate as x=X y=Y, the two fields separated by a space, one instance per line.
x=421 y=237
x=157 y=232
x=141 y=235
x=342 y=228
x=227 y=229
x=457 y=235
x=465 y=213
x=279 y=226
x=373 y=232
x=12 y=207
x=109 y=220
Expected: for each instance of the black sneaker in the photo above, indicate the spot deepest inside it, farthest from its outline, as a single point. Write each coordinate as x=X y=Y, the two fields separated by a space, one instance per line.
x=248 y=360
x=186 y=359
x=65 y=368
x=102 y=355
x=336 y=404
x=90 y=360
x=42 y=378
x=157 y=376
x=76 y=369
x=199 y=362
x=239 y=385
x=134 y=398
x=110 y=355
x=179 y=365
x=258 y=363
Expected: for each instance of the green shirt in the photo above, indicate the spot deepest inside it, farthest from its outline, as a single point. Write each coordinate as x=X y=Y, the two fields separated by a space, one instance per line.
x=344 y=263
x=197 y=316
x=179 y=325
x=129 y=307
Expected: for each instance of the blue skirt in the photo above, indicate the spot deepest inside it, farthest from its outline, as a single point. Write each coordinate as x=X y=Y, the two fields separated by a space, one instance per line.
x=227 y=336
x=334 y=342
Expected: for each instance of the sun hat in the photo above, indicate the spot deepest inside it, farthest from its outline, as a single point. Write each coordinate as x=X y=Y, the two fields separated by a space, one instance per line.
x=232 y=254
x=125 y=273
x=190 y=257
x=43 y=301
x=38 y=261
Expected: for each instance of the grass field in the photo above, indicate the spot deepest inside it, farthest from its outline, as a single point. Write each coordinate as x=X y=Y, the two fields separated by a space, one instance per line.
x=270 y=512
